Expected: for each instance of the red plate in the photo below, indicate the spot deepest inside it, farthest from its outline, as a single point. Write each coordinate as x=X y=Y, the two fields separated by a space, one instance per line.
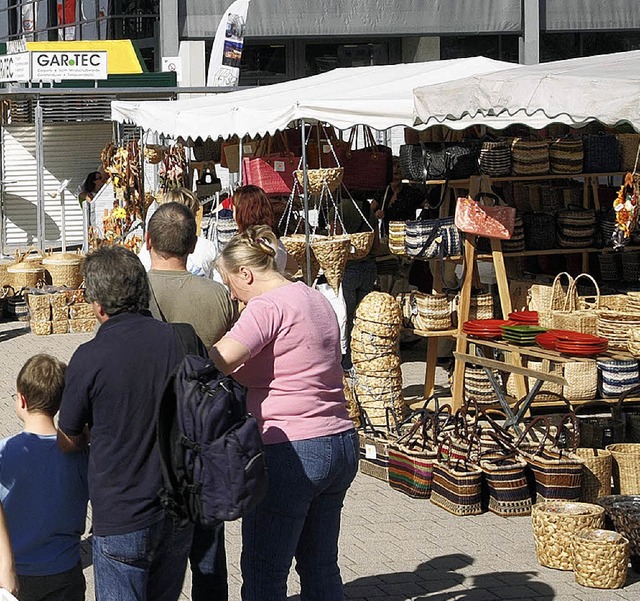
x=578 y=353
x=579 y=338
x=485 y=336
x=546 y=341
x=571 y=347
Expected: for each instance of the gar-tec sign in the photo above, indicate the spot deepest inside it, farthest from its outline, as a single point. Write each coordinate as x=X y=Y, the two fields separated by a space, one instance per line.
x=71 y=59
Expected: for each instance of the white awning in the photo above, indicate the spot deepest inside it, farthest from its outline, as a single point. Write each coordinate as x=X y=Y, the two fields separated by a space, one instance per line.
x=604 y=88
x=378 y=96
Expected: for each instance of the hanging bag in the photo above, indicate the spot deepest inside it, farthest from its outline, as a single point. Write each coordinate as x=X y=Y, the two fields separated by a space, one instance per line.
x=480 y=219
x=208 y=182
x=368 y=168
x=272 y=170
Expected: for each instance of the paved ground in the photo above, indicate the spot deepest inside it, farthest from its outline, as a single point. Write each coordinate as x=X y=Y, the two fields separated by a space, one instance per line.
x=392 y=547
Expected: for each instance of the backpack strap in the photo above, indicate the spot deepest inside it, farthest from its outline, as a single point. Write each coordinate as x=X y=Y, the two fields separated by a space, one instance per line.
x=189 y=341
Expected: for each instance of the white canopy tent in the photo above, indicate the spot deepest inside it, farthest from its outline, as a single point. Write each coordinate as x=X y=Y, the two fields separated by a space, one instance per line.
x=378 y=96
x=604 y=88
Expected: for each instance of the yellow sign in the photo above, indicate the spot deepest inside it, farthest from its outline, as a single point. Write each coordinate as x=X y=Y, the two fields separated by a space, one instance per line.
x=122 y=54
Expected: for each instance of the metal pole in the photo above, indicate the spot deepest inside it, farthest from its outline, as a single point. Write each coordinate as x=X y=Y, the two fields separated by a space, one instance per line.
x=305 y=189
x=63 y=221
x=40 y=212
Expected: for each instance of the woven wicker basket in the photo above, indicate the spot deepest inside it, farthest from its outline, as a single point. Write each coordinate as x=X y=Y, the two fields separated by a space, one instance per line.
x=555 y=523
x=600 y=558
x=361 y=243
x=65 y=269
x=5 y=278
x=628 y=144
x=380 y=307
x=296 y=246
x=32 y=256
x=332 y=254
x=566 y=155
x=326 y=178
x=626 y=467
x=529 y=157
x=25 y=274
x=397 y=237
x=596 y=474
x=582 y=381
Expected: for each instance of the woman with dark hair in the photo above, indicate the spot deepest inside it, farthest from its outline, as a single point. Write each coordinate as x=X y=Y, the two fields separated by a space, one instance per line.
x=91 y=184
x=251 y=206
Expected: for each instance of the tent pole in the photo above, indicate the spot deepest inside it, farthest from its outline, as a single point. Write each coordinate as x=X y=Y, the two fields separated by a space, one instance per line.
x=40 y=212
x=305 y=188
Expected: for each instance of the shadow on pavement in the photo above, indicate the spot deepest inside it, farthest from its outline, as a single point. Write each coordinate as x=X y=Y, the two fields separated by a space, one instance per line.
x=7 y=335
x=433 y=579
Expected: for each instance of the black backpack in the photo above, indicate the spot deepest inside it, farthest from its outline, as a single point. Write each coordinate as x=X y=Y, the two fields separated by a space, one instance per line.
x=213 y=463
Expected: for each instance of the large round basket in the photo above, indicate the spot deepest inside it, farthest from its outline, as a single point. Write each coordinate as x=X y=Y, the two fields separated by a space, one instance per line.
x=380 y=307
x=25 y=274
x=32 y=256
x=624 y=512
x=555 y=523
x=600 y=558
x=65 y=269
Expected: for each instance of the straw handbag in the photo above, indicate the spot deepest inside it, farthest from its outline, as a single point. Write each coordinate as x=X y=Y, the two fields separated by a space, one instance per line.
x=529 y=157
x=566 y=155
x=554 y=525
x=629 y=144
x=626 y=467
x=596 y=473
x=65 y=269
x=582 y=380
x=574 y=319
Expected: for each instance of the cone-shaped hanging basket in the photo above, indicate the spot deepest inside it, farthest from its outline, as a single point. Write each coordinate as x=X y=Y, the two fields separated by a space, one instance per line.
x=362 y=243
x=332 y=254
x=296 y=246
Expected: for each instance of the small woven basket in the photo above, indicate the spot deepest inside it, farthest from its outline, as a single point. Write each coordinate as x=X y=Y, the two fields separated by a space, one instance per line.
x=582 y=381
x=626 y=467
x=380 y=307
x=326 y=178
x=5 y=278
x=332 y=254
x=529 y=157
x=628 y=144
x=555 y=523
x=566 y=155
x=397 y=237
x=361 y=243
x=596 y=474
x=600 y=558
x=65 y=269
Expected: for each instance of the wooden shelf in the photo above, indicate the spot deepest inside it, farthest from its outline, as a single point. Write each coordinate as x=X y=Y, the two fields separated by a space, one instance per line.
x=515 y=178
x=433 y=333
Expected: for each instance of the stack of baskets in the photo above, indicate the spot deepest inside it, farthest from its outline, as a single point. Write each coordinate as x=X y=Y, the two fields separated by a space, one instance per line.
x=397 y=236
x=617 y=326
x=576 y=228
x=516 y=242
x=376 y=363
x=60 y=312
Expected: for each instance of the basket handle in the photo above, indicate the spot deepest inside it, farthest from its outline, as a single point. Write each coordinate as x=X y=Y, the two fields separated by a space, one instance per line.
x=557 y=285
x=572 y=293
x=538 y=420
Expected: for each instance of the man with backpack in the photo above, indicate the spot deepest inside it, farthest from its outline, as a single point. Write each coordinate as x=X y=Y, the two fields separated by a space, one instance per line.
x=178 y=296
x=113 y=386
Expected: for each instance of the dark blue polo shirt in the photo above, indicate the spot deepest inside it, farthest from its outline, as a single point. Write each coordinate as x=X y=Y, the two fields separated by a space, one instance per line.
x=114 y=384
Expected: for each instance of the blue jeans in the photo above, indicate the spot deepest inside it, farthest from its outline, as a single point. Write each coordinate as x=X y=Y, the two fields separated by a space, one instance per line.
x=299 y=517
x=208 y=560
x=147 y=564
x=359 y=279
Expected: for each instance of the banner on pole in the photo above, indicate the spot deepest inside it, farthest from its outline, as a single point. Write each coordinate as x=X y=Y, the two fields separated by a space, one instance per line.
x=224 y=64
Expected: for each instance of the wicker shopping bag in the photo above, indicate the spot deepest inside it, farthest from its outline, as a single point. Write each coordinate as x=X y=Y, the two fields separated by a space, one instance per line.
x=556 y=473
x=457 y=484
x=411 y=460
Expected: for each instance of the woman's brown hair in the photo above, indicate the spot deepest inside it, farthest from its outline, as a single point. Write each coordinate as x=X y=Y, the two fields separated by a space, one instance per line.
x=253 y=207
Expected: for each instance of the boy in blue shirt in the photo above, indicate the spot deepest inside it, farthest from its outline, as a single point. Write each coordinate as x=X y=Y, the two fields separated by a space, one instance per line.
x=43 y=490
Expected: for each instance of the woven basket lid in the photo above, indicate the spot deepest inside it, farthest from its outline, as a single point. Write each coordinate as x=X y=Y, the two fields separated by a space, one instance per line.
x=25 y=267
x=63 y=259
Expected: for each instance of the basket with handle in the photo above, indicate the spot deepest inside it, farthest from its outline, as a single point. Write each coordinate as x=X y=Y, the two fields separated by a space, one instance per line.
x=25 y=274
x=551 y=300
x=596 y=473
x=626 y=467
x=573 y=318
x=64 y=268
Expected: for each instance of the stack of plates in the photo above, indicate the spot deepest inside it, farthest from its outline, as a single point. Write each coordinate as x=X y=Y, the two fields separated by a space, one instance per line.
x=523 y=335
x=528 y=318
x=549 y=338
x=486 y=329
x=581 y=345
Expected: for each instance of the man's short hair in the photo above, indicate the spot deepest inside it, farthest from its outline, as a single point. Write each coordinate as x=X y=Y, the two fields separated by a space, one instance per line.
x=41 y=382
x=172 y=230
x=115 y=278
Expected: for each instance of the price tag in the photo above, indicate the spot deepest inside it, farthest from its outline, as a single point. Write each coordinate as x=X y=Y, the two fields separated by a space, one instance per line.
x=247 y=149
x=326 y=149
x=278 y=166
x=370 y=451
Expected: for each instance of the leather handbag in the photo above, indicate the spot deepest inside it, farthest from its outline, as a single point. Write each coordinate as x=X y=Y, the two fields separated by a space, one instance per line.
x=368 y=168
x=431 y=238
x=489 y=221
x=325 y=149
x=440 y=160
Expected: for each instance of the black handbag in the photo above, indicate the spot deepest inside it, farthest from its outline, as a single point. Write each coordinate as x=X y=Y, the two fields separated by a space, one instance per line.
x=601 y=153
x=439 y=160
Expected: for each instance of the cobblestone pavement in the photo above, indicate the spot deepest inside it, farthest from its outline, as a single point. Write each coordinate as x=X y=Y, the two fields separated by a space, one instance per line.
x=392 y=547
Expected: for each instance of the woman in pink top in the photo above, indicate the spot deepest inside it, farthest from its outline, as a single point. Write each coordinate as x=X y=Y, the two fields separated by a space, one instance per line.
x=285 y=348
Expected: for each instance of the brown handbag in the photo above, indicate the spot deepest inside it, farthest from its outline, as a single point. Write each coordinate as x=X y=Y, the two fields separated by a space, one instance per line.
x=489 y=221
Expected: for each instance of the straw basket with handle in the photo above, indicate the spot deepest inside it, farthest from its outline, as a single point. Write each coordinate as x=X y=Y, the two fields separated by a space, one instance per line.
x=5 y=278
x=549 y=299
x=25 y=274
x=65 y=269
x=32 y=256
x=573 y=318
